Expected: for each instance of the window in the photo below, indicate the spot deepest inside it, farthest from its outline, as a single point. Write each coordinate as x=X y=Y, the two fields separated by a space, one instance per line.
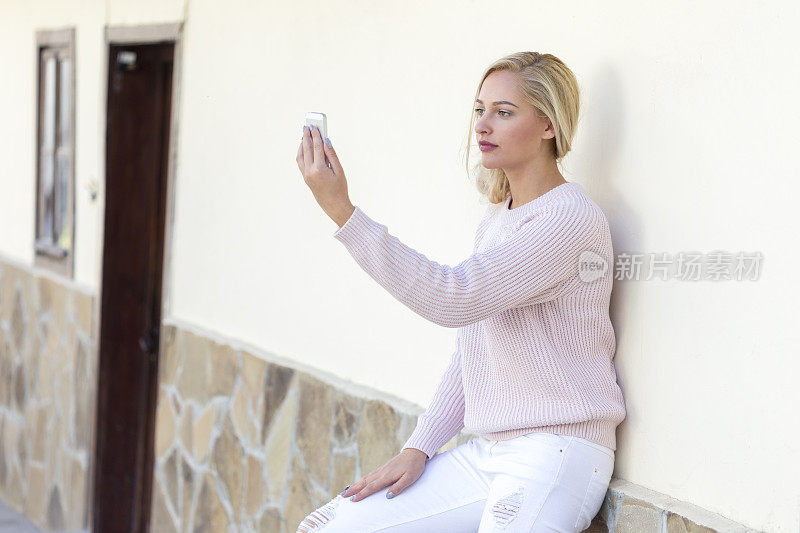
x=55 y=175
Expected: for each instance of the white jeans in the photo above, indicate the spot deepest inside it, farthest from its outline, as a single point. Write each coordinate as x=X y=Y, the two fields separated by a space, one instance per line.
x=530 y=483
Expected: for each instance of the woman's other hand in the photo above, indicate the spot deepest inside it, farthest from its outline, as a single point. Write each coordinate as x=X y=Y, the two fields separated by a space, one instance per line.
x=327 y=183
x=400 y=471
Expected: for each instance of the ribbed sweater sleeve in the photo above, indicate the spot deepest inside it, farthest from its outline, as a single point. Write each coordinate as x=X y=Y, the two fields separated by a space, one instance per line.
x=444 y=417
x=541 y=254
x=534 y=340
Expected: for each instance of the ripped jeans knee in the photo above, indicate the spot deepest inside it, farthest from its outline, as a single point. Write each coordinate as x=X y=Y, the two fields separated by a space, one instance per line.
x=506 y=508
x=317 y=519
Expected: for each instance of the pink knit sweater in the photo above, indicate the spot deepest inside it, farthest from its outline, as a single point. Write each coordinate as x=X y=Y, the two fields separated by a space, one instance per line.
x=534 y=343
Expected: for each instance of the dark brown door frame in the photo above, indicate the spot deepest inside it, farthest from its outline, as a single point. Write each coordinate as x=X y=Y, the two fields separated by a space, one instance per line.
x=141 y=63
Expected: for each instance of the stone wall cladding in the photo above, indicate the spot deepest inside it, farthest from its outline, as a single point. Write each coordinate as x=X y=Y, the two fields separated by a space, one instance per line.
x=47 y=391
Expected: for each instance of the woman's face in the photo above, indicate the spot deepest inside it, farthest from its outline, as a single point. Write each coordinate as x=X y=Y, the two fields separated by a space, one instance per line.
x=512 y=124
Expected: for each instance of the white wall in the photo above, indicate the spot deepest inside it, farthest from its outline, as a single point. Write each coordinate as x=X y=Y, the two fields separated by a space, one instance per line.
x=687 y=141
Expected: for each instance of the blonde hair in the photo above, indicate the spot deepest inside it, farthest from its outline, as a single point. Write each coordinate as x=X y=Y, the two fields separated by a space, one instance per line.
x=551 y=87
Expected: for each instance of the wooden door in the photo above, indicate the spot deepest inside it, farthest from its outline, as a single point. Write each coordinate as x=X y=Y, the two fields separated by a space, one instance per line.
x=137 y=140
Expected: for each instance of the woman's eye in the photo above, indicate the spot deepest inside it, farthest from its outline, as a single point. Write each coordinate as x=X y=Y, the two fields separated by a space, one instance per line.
x=507 y=113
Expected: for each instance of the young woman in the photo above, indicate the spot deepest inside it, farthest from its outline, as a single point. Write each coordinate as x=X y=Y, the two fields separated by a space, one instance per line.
x=532 y=371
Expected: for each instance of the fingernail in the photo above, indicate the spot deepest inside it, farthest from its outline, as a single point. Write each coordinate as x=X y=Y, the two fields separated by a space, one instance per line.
x=389 y=495
x=327 y=141
x=345 y=489
x=351 y=497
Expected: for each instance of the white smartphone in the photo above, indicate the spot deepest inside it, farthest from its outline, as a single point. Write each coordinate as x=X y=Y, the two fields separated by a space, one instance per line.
x=320 y=121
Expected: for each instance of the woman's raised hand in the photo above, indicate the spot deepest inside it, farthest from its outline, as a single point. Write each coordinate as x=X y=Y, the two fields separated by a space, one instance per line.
x=400 y=471
x=327 y=183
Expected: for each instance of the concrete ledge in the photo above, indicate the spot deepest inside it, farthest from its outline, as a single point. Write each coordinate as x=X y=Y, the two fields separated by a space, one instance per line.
x=631 y=507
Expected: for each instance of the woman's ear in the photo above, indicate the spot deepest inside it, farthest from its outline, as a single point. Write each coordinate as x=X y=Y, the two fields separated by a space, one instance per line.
x=550 y=132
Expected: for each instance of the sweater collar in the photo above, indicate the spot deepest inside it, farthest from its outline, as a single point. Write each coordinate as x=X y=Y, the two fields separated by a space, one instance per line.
x=518 y=212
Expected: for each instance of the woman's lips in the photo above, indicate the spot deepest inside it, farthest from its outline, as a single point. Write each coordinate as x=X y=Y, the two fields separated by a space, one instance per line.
x=487 y=147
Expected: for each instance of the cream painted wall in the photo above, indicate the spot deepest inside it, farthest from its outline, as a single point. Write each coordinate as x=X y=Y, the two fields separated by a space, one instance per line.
x=687 y=141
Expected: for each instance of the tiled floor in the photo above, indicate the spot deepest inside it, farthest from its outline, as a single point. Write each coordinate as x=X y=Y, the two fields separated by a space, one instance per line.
x=13 y=522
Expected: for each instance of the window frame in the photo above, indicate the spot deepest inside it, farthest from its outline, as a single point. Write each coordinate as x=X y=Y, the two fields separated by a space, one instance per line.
x=61 y=44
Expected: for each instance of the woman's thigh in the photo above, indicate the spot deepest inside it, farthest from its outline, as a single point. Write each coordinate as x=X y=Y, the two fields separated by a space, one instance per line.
x=544 y=482
x=450 y=495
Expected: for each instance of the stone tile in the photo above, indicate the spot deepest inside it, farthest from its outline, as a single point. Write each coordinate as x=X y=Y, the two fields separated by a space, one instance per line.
x=39 y=434
x=347 y=412
x=19 y=321
x=14 y=490
x=172 y=354
x=24 y=453
x=81 y=390
x=211 y=516
x=84 y=313
x=254 y=428
x=76 y=495
x=193 y=380
x=55 y=510
x=278 y=447
x=201 y=432
x=59 y=427
x=54 y=299
x=254 y=372
x=43 y=295
x=19 y=387
x=3 y=463
x=636 y=516
x=679 y=524
x=376 y=437
x=46 y=377
x=63 y=399
x=271 y=522
x=188 y=476
x=35 y=499
x=6 y=374
x=40 y=336
x=224 y=362
x=51 y=351
x=185 y=426
x=161 y=519
x=344 y=473
x=9 y=436
x=7 y=281
x=300 y=501
x=278 y=380
x=32 y=361
x=314 y=420
x=68 y=348
x=255 y=493
x=170 y=470
x=165 y=423
x=240 y=414
x=226 y=459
